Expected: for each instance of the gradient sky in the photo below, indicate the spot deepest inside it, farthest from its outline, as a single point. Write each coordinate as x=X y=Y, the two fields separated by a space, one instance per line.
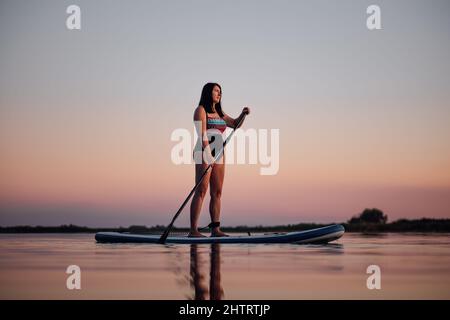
x=86 y=116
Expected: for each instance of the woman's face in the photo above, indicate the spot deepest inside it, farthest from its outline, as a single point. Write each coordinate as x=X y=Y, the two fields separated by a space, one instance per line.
x=216 y=94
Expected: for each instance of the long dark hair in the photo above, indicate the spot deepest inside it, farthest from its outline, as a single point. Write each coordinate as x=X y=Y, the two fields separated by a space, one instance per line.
x=206 y=98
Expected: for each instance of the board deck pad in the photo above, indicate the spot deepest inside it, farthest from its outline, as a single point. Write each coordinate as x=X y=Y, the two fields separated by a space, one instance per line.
x=318 y=235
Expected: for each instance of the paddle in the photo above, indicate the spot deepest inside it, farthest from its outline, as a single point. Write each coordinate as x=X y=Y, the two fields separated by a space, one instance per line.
x=169 y=227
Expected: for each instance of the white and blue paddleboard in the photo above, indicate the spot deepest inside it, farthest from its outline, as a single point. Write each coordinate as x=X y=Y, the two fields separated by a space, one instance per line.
x=319 y=235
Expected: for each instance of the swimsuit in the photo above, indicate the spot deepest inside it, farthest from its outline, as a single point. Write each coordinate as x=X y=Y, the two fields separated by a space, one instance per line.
x=213 y=123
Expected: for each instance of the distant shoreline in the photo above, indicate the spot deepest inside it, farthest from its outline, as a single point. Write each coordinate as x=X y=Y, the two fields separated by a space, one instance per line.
x=403 y=225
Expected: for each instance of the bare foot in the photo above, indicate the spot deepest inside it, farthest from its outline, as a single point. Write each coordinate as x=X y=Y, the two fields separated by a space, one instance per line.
x=195 y=234
x=218 y=233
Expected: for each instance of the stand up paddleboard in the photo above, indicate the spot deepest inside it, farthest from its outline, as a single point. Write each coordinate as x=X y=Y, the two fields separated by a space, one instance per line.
x=319 y=235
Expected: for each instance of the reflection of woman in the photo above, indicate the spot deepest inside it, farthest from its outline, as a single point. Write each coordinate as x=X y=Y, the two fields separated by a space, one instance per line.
x=215 y=283
x=211 y=116
x=198 y=274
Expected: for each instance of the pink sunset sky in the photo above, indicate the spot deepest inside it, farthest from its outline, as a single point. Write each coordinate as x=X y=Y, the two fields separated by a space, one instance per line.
x=86 y=116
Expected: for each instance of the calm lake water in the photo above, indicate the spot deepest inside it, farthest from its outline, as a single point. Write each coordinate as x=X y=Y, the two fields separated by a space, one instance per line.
x=413 y=266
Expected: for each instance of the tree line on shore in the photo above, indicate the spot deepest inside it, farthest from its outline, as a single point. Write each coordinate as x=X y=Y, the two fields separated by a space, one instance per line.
x=370 y=220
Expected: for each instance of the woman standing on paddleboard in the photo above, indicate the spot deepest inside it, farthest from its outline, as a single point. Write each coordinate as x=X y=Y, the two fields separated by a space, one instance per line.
x=210 y=120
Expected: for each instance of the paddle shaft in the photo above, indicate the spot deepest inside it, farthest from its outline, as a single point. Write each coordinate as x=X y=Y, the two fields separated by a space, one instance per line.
x=169 y=227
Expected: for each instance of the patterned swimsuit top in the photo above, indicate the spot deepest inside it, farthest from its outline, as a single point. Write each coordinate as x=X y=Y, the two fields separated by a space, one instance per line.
x=212 y=122
x=215 y=123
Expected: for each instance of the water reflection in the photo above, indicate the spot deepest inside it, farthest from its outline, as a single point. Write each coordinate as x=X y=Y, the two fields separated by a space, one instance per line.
x=414 y=266
x=198 y=273
x=328 y=248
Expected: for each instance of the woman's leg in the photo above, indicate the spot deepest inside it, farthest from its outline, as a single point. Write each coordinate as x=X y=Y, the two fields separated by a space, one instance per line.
x=215 y=188
x=199 y=195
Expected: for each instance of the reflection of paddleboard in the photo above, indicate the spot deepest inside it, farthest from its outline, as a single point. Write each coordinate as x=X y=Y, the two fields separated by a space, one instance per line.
x=319 y=235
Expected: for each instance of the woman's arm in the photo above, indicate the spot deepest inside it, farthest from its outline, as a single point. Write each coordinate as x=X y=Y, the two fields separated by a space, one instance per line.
x=231 y=122
x=200 y=116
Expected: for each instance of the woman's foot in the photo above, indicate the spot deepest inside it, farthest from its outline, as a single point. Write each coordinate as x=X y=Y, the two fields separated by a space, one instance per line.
x=195 y=234
x=218 y=233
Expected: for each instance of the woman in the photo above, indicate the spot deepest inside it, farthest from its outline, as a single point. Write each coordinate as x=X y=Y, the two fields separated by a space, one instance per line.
x=209 y=112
